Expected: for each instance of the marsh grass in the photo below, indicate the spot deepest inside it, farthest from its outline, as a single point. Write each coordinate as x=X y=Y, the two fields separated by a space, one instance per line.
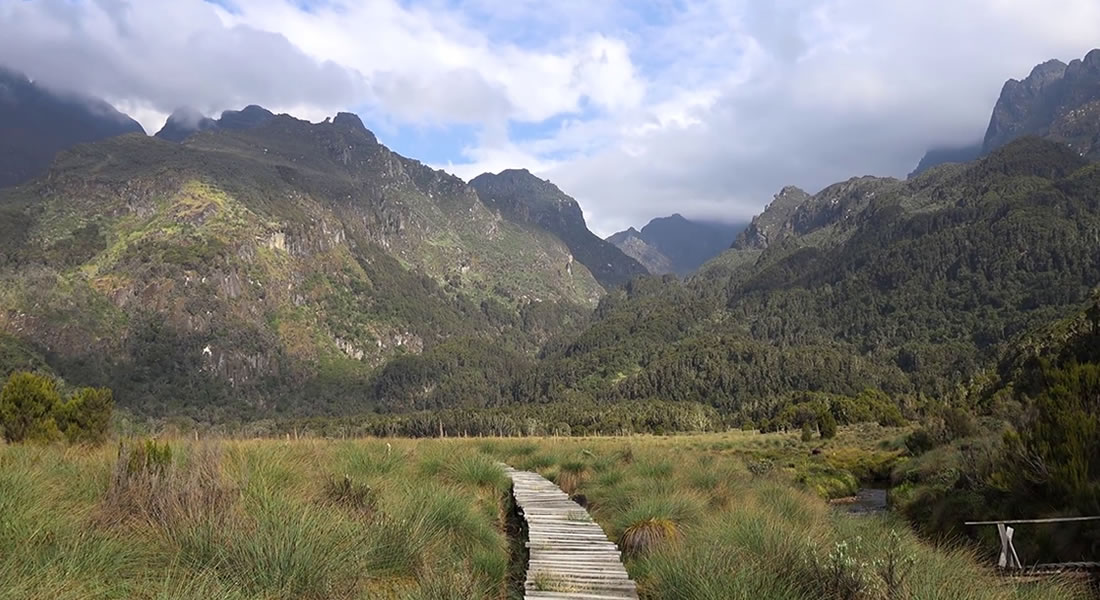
x=280 y=520
x=252 y=519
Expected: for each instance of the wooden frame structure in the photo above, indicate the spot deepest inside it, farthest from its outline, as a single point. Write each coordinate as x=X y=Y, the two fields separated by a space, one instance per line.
x=1011 y=561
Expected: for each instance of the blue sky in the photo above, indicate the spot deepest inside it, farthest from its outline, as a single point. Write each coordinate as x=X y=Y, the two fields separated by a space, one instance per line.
x=638 y=108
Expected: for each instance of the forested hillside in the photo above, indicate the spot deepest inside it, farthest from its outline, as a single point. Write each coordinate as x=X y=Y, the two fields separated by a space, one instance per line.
x=911 y=287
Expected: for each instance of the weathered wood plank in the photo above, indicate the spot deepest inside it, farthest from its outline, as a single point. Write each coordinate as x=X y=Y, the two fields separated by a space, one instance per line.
x=569 y=555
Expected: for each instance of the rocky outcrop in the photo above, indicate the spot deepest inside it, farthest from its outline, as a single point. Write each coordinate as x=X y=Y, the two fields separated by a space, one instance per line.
x=632 y=244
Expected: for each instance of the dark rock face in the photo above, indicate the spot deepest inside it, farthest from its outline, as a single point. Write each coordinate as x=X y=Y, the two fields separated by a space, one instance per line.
x=186 y=121
x=677 y=245
x=523 y=198
x=36 y=123
x=1026 y=106
x=1057 y=101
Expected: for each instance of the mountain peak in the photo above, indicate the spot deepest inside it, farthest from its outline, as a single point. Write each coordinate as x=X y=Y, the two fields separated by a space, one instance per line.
x=676 y=244
x=349 y=120
x=1048 y=103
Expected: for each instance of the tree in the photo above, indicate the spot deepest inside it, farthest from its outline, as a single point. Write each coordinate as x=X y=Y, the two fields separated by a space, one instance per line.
x=28 y=403
x=827 y=425
x=86 y=416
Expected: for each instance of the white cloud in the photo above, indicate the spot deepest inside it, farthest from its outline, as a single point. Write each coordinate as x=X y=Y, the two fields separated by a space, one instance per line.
x=704 y=107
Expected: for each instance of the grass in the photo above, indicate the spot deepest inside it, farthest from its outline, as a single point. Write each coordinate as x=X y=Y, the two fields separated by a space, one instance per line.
x=427 y=519
x=252 y=519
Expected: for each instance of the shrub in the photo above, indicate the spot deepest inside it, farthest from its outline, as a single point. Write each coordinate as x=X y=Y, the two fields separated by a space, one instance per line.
x=86 y=416
x=919 y=442
x=31 y=410
x=807 y=432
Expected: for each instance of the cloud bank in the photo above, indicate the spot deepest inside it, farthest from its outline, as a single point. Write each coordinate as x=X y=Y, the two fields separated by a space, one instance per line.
x=637 y=108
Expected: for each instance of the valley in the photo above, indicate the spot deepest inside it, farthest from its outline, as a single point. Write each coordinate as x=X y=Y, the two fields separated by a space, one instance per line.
x=255 y=356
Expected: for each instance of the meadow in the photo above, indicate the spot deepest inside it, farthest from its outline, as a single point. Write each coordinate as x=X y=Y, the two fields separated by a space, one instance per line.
x=734 y=515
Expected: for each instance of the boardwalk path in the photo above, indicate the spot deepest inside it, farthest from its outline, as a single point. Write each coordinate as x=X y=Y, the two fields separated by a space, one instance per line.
x=568 y=554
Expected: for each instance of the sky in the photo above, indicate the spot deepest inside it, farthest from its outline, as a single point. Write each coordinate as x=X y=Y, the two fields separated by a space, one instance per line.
x=637 y=108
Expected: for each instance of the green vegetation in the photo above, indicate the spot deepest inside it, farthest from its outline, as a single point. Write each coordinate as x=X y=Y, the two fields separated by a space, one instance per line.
x=1035 y=453
x=31 y=409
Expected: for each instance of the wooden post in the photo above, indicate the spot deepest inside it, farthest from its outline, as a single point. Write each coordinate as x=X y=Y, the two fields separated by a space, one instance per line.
x=1008 y=558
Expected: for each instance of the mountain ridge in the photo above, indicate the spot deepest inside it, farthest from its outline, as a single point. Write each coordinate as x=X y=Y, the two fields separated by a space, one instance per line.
x=522 y=197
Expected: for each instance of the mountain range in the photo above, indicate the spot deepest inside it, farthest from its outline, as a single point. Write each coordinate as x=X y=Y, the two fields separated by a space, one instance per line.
x=676 y=245
x=257 y=265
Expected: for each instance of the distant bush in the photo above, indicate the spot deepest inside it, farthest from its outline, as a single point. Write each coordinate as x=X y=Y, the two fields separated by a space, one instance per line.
x=31 y=410
x=827 y=426
x=919 y=442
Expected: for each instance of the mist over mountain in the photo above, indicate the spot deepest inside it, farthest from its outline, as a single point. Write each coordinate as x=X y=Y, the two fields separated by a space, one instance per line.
x=36 y=123
x=1056 y=101
x=186 y=121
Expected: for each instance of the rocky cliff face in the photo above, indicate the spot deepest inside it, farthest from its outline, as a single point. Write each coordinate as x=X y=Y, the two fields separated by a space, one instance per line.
x=36 y=123
x=1060 y=102
x=520 y=197
x=269 y=268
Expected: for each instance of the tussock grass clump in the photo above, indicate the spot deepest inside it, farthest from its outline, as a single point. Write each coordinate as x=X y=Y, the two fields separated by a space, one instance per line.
x=359 y=497
x=646 y=535
x=149 y=485
x=480 y=471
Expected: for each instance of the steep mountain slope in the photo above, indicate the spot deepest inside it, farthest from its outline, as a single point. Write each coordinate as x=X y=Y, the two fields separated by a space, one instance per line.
x=908 y=286
x=523 y=198
x=266 y=270
x=1057 y=101
x=36 y=123
x=186 y=121
x=681 y=245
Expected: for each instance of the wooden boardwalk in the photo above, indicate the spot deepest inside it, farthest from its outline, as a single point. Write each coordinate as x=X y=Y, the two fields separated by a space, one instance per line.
x=569 y=556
